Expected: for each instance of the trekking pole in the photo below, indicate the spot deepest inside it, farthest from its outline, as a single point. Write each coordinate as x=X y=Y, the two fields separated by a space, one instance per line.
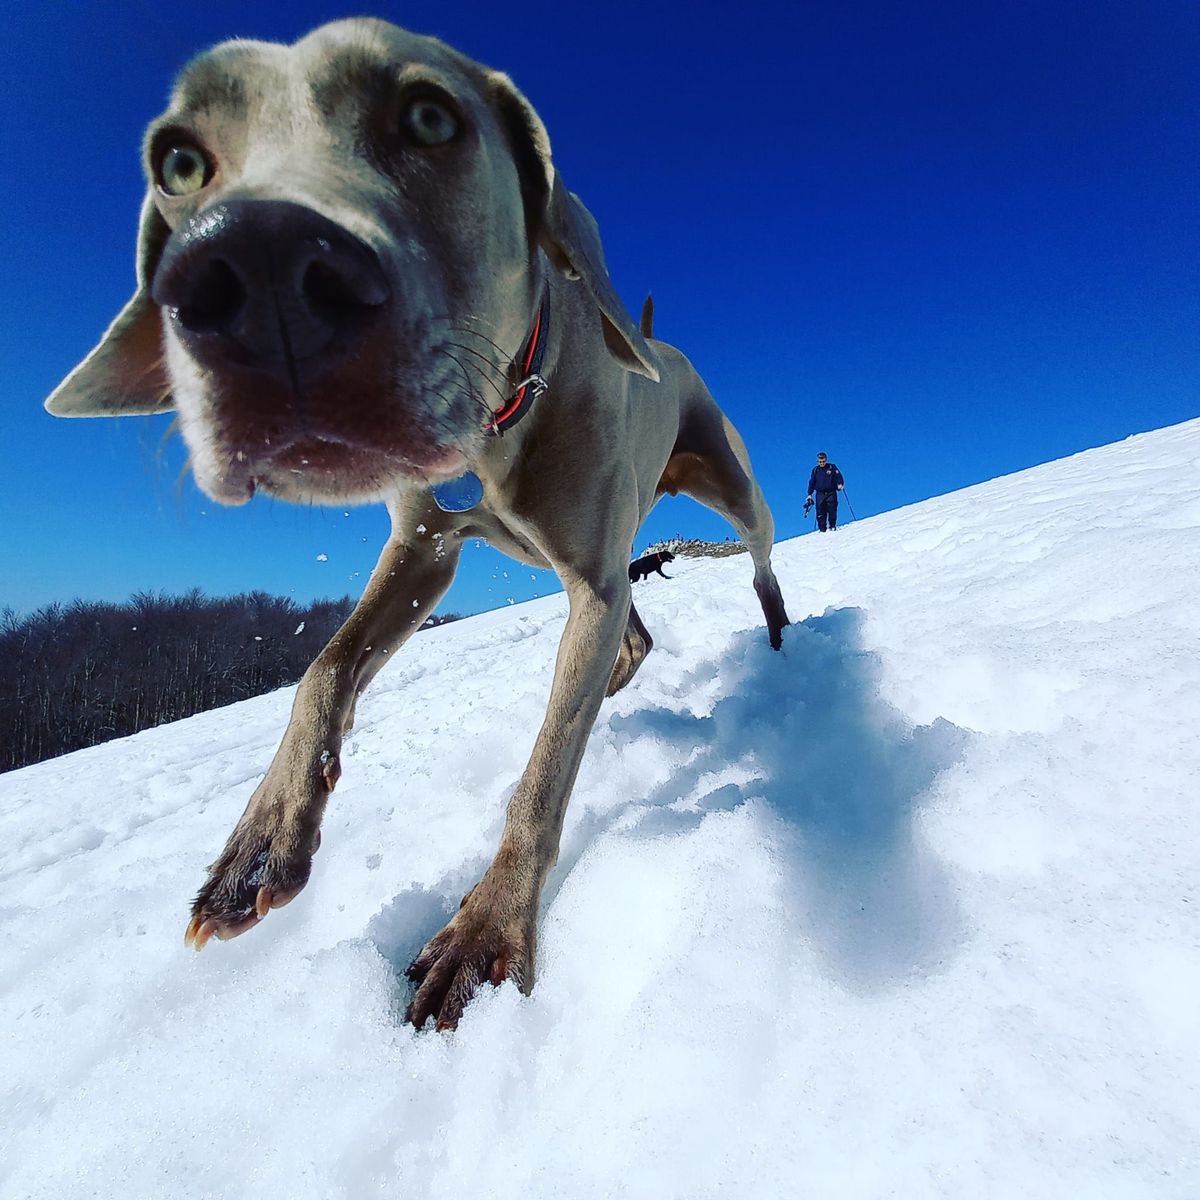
x=849 y=506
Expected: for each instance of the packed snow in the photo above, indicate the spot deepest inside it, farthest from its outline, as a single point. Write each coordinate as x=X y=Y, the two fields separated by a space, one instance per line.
x=909 y=909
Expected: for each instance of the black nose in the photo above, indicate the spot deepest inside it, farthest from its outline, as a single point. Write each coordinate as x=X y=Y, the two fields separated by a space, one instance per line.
x=269 y=283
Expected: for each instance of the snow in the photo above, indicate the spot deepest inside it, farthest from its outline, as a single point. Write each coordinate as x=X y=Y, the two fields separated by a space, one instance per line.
x=908 y=909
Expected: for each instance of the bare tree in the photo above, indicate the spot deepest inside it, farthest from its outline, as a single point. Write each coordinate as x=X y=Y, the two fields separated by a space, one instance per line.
x=77 y=674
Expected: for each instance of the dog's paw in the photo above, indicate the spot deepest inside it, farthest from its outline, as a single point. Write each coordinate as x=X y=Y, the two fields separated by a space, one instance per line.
x=478 y=946
x=771 y=599
x=258 y=870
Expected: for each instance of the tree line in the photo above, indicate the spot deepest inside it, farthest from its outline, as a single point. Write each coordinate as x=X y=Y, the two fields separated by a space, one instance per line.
x=74 y=675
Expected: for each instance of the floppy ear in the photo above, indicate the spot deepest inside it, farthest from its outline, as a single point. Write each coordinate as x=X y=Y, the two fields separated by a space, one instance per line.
x=125 y=375
x=564 y=228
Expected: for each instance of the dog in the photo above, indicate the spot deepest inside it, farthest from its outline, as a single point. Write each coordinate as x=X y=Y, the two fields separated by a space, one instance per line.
x=362 y=279
x=642 y=568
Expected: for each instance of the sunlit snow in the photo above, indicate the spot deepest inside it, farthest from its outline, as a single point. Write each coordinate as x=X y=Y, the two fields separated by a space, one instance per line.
x=908 y=909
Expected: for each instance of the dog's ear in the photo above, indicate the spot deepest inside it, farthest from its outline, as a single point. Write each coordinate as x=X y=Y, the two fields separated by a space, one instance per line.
x=126 y=373
x=564 y=228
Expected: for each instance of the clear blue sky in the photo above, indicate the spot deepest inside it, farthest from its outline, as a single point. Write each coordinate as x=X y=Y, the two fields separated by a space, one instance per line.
x=940 y=242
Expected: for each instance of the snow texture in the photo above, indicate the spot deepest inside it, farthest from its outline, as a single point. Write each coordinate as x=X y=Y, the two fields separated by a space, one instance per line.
x=909 y=909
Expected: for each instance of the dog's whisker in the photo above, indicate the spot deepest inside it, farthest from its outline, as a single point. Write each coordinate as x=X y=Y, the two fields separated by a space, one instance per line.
x=464 y=317
x=472 y=392
x=483 y=358
x=487 y=412
x=475 y=333
x=502 y=393
x=184 y=471
x=171 y=430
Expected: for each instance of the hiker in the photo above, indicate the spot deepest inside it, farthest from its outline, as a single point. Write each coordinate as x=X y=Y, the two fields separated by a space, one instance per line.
x=824 y=483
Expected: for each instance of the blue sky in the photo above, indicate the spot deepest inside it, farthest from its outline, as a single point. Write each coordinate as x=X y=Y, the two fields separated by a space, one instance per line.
x=941 y=242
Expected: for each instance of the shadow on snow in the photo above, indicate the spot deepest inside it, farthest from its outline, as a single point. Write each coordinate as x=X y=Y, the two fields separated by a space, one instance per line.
x=807 y=731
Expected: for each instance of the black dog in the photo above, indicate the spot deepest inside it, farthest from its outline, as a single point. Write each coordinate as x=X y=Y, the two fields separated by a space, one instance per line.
x=641 y=568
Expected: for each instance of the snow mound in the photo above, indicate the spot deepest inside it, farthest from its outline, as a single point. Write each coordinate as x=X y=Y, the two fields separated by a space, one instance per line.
x=908 y=909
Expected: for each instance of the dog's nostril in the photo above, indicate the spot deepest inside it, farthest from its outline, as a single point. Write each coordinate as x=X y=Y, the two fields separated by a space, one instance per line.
x=337 y=292
x=327 y=291
x=214 y=299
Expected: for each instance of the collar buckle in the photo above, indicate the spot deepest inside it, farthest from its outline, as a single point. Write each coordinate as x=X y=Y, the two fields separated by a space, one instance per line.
x=535 y=383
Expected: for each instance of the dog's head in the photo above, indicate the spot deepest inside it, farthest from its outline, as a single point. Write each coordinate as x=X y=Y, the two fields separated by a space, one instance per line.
x=338 y=262
x=667 y=556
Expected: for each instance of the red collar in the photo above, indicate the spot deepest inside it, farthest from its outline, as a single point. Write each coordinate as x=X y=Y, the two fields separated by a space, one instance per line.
x=529 y=363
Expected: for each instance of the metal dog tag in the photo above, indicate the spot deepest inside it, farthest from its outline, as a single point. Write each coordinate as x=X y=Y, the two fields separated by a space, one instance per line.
x=458 y=495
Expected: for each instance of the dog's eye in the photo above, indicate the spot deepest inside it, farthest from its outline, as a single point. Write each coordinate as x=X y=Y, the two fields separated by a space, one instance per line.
x=430 y=123
x=184 y=170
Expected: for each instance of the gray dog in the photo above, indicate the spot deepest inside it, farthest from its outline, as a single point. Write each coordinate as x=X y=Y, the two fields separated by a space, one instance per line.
x=360 y=278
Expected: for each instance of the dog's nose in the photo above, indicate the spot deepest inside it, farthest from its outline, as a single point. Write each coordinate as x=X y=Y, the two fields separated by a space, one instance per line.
x=273 y=280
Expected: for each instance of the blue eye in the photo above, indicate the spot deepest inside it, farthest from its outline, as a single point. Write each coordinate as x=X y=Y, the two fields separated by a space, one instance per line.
x=430 y=123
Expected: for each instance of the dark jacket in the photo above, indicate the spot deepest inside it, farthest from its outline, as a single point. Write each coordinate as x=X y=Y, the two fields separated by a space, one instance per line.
x=824 y=479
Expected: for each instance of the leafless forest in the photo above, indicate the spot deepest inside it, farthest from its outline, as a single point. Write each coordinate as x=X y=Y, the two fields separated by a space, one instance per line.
x=77 y=674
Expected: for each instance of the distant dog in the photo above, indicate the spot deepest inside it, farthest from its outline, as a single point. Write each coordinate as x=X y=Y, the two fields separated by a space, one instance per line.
x=358 y=265
x=642 y=568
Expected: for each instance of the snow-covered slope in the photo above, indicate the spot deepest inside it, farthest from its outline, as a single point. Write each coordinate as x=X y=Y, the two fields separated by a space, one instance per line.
x=909 y=909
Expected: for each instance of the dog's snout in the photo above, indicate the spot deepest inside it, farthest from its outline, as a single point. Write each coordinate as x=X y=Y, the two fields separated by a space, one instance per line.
x=276 y=281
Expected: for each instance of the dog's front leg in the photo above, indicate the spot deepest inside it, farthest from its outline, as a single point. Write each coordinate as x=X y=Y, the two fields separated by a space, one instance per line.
x=267 y=858
x=492 y=936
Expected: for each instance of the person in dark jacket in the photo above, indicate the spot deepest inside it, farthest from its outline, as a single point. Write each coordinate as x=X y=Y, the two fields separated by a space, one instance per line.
x=824 y=484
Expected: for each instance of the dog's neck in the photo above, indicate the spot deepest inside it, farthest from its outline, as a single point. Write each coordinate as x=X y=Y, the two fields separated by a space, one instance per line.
x=466 y=491
x=529 y=362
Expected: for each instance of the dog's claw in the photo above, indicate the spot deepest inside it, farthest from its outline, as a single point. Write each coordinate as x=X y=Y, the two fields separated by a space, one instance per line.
x=262 y=902
x=200 y=932
x=331 y=773
x=204 y=932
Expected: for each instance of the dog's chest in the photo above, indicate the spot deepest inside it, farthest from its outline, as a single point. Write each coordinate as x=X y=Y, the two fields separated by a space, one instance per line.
x=506 y=537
